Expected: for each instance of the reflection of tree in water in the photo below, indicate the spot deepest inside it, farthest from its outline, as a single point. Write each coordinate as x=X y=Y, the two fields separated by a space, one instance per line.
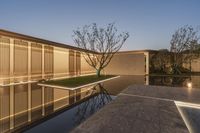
x=87 y=108
x=168 y=80
x=179 y=81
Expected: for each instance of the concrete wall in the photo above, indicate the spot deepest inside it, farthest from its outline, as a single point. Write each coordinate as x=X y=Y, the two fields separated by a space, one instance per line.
x=128 y=63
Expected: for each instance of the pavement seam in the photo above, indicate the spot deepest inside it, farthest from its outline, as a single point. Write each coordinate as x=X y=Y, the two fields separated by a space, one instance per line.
x=132 y=95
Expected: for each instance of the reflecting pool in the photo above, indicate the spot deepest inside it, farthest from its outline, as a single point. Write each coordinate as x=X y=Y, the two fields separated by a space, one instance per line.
x=33 y=108
x=174 y=81
x=25 y=105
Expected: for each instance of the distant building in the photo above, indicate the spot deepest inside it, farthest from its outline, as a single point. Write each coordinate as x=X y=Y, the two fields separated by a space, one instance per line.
x=25 y=59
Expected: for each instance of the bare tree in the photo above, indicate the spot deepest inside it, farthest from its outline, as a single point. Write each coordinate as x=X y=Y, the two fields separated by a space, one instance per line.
x=104 y=42
x=183 y=47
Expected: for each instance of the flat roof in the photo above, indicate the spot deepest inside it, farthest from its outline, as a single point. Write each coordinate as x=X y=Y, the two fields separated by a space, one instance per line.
x=56 y=44
x=39 y=40
x=139 y=51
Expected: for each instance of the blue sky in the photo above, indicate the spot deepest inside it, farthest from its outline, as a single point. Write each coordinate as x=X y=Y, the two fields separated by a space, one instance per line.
x=150 y=23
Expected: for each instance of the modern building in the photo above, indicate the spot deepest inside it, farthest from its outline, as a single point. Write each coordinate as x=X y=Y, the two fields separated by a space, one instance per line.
x=25 y=59
x=129 y=63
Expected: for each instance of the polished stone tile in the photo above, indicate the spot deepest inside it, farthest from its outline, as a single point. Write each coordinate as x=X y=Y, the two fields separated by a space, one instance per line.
x=132 y=114
x=171 y=93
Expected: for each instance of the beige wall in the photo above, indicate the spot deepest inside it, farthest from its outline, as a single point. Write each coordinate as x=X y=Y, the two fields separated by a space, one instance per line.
x=61 y=62
x=36 y=61
x=23 y=60
x=126 y=64
x=4 y=57
x=20 y=60
x=85 y=67
x=196 y=65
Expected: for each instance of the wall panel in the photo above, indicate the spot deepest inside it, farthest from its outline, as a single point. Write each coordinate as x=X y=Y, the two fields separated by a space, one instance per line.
x=48 y=61
x=71 y=62
x=20 y=58
x=195 y=65
x=4 y=58
x=78 y=63
x=36 y=61
x=126 y=64
x=61 y=62
x=85 y=67
x=4 y=109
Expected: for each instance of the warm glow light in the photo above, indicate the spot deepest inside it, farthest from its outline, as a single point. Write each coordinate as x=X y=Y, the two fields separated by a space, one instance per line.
x=189 y=84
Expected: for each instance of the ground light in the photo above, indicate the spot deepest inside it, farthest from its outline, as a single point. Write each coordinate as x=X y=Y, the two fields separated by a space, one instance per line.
x=189 y=84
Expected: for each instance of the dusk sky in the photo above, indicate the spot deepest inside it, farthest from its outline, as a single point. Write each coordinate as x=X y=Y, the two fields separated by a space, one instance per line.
x=150 y=23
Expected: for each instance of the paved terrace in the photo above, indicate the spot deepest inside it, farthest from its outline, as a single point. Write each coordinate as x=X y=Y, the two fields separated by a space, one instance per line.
x=142 y=109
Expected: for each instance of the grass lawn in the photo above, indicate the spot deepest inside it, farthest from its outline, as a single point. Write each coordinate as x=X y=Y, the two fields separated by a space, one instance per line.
x=78 y=81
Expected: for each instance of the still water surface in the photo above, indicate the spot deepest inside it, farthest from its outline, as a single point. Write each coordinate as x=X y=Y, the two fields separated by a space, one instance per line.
x=32 y=108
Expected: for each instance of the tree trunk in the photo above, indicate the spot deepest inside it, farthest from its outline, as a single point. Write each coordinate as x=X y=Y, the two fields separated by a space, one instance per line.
x=98 y=72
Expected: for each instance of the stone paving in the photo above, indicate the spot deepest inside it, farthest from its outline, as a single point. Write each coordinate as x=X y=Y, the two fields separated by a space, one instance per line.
x=142 y=109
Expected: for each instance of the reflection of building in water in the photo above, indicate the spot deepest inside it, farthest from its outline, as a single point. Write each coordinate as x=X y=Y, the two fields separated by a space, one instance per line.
x=195 y=81
x=25 y=103
x=118 y=84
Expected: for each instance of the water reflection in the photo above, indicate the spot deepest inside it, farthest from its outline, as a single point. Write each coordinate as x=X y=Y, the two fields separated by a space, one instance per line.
x=168 y=81
x=90 y=106
x=174 y=81
x=24 y=104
